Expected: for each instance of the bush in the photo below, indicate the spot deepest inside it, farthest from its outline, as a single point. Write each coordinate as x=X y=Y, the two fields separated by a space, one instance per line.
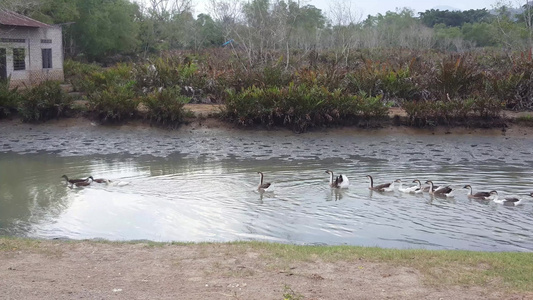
x=300 y=107
x=77 y=72
x=114 y=102
x=166 y=106
x=9 y=98
x=44 y=102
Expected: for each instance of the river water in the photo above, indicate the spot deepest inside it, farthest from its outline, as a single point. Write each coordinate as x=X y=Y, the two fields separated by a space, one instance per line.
x=200 y=185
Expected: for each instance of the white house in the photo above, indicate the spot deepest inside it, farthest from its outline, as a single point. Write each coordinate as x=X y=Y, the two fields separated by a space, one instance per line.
x=30 y=51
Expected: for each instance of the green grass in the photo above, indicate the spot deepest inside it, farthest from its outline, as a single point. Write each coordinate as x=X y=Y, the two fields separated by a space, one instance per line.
x=526 y=120
x=501 y=270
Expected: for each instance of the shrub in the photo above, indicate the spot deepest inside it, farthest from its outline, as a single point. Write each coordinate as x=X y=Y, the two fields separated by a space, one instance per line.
x=114 y=102
x=300 y=107
x=9 y=98
x=44 y=102
x=457 y=76
x=77 y=72
x=166 y=106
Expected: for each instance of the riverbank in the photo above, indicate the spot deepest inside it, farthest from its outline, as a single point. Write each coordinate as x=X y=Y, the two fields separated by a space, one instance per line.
x=47 y=269
x=206 y=116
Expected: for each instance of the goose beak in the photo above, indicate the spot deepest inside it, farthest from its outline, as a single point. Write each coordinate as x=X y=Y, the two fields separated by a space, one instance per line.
x=466 y=186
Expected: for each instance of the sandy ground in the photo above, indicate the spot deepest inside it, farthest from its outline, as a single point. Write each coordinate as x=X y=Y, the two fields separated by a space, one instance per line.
x=92 y=270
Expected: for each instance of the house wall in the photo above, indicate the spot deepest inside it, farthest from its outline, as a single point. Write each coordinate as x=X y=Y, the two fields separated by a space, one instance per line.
x=34 y=72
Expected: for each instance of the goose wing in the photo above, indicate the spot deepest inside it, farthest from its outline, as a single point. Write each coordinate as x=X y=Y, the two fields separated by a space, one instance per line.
x=443 y=190
x=481 y=195
x=264 y=185
x=511 y=199
x=382 y=186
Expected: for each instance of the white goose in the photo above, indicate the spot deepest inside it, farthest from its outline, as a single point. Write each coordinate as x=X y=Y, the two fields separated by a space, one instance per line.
x=512 y=201
x=406 y=190
x=341 y=182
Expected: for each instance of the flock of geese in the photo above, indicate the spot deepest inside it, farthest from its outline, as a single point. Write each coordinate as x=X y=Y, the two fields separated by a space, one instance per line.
x=342 y=182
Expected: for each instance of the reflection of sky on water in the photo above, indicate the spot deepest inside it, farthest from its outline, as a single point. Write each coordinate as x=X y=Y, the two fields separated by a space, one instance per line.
x=191 y=195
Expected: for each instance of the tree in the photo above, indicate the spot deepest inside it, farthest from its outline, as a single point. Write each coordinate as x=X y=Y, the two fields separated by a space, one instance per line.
x=106 y=28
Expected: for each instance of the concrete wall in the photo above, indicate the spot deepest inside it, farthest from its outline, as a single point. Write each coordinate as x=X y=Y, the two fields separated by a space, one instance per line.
x=34 y=73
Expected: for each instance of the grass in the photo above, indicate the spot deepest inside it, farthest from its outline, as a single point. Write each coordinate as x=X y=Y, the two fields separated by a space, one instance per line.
x=503 y=270
x=526 y=120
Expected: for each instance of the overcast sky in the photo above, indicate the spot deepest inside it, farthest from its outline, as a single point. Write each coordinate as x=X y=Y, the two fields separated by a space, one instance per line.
x=373 y=7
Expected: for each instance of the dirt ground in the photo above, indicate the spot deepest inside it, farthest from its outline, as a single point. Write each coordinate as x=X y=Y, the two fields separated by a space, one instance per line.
x=93 y=270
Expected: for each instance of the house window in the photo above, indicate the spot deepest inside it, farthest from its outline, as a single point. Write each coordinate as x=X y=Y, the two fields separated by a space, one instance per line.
x=19 y=56
x=47 y=58
x=47 y=41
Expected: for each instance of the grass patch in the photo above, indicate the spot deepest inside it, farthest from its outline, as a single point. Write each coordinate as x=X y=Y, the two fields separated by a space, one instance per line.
x=512 y=269
x=526 y=120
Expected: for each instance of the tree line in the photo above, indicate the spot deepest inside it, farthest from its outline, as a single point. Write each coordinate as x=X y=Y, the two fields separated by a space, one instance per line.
x=96 y=30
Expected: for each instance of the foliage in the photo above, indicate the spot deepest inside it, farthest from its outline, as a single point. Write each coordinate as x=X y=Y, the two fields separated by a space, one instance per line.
x=44 y=102
x=77 y=72
x=115 y=102
x=165 y=106
x=300 y=107
x=9 y=98
x=457 y=75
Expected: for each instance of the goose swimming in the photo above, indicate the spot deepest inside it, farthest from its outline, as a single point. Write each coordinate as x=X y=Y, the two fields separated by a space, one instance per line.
x=478 y=195
x=512 y=201
x=86 y=182
x=386 y=187
x=72 y=181
x=441 y=191
x=419 y=189
x=101 y=180
x=341 y=181
x=426 y=188
x=262 y=186
x=412 y=189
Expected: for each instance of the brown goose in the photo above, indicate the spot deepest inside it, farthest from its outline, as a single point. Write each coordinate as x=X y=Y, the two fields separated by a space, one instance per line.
x=386 y=187
x=441 y=191
x=262 y=186
x=72 y=181
x=82 y=183
x=478 y=195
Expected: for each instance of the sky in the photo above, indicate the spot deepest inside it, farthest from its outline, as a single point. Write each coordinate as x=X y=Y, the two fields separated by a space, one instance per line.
x=373 y=7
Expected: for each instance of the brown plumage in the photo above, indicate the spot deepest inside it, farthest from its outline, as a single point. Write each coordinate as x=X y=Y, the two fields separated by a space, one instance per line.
x=443 y=191
x=478 y=195
x=262 y=186
x=386 y=187
x=72 y=181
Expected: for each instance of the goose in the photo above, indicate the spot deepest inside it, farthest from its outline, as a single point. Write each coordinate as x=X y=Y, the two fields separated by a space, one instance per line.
x=426 y=188
x=441 y=191
x=478 y=195
x=262 y=186
x=72 y=181
x=386 y=187
x=512 y=201
x=406 y=190
x=101 y=180
x=82 y=183
x=341 y=182
x=419 y=189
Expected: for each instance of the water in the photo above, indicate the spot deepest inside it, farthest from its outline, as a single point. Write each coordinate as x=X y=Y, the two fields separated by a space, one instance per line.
x=200 y=186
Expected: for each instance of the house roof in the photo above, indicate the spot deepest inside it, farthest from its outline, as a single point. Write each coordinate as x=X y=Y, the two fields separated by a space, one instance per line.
x=11 y=18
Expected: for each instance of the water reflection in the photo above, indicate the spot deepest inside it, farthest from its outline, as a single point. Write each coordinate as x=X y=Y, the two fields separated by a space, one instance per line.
x=181 y=197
